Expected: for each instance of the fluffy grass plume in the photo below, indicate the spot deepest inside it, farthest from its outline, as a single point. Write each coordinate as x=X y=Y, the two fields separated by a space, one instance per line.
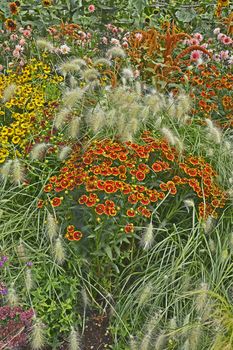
x=145 y=294
x=52 y=226
x=18 y=172
x=74 y=127
x=133 y=343
x=147 y=239
x=21 y=252
x=114 y=52
x=44 y=45
x=72 y=66
x=64 y=153
x=168 y=135
x=9 y=92
x=28 y=280
x=74 y=340
x=12 y=296
x=59 y=251
x=160 y=342
x=37 y=335
x=61 y=117
x=6 y=170
x=214 y=133
x=72 y=96
x=38 y=151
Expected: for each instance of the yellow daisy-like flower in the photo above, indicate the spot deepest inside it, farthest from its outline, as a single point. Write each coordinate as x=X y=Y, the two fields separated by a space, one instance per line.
x=223 y=3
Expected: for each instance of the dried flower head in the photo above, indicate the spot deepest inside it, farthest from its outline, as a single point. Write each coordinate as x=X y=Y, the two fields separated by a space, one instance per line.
x=18 y=172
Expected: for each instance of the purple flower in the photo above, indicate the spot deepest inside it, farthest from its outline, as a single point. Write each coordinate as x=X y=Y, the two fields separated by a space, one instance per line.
x=4 y=258
x=29 y=263
x=3 y=291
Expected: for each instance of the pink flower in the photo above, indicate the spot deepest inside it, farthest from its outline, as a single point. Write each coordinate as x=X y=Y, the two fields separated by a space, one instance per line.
x=64 y=49
x=109 y=26
x=224 y=55
x=27 y=33
x=136 y=73
x=115 y=41
x=91 y=8
x=226 y=40
x=14 y=37
x=104 y=40
x=195 y=55
x=216 y=58
x=139 y=36
x=22 y=42
x=125 y=45
x=1 y=67
x=216 y=31
x=198 y=36
x=221 y=36
x=193 y=41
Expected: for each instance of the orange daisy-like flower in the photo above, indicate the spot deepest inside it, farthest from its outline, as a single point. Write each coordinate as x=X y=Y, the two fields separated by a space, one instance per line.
x=56 y=201
x=157 y=167
x=10 y=24
x=129 y=228
x=14 y=8
x=130 y=213
x=47 y=2
x=40 y=204
x=99 y=209
x=140 y=175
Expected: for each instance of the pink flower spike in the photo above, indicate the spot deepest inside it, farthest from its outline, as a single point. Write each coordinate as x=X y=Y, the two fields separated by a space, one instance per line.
x=91 y=8
x=198 y=36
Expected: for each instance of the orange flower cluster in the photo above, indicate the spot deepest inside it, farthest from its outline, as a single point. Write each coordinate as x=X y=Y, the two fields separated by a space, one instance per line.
x=125 y=180
x=212 y=94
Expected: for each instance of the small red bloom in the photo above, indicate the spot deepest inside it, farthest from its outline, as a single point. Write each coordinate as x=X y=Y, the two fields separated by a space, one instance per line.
x=70 y=229
x=56 y=202
x=157 y=167
x=40 y=204
x=48 y=188
x=140 y=175
x=99 y=209
x=129 y=228
x=131 y=213
x=77 y=235
x=83 y=199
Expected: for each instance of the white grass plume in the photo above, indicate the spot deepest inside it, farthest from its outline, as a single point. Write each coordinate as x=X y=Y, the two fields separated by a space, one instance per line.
x=189 y=203
x=74 y=340
x=12 y=296
x=74 y=127
x=61 y=117
x=195 y=337
x=38 y=151
x=28 y=280
x=161 y=341
x=133 y=343
x=145 y=294
x=44 y=45
x=71 y=66
x=90 y=75
x=18 y=171
x=64 y=153
x=208 y=224
x=21 y=251
x=6 y=170
x=59 y=251
x=202 y=298
x=96 y=120
x=72 y=96
x=85 y=298
x=114 y=52
x=102 y=62
x=73 y=82
x=168 y=135
x=147 y=239
x=37 y=335
x=52 y=226
x=214 y=133
x=9 y=92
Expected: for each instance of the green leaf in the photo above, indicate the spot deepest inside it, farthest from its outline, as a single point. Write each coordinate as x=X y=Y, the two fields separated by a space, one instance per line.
x=108 y=252
x=186 y=16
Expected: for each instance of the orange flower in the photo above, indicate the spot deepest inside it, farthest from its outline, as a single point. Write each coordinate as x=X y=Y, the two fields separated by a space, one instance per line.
x=99 y=209
x=14 y=9
x=48 y=188
x=130 y=213
x=157 y=167
x=129 y=228
x=40 y=204
x=140 y=175
x=56 y=201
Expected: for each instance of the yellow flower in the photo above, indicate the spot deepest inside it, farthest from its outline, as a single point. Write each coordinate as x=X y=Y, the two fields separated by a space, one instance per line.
x=15 y=139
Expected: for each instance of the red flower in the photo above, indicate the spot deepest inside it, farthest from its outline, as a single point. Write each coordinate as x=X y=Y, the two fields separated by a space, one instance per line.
x=140 y=175
x=77 y=235
x=109 y=187
x=130 y=213
x=56 y=201
x=40 y=204
x=70 y=229
x=157 y=167
x=129 y=228
x=192 y=172
x=83 y=199
x=48 y=188
x=99 y=209
x=132 y=199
